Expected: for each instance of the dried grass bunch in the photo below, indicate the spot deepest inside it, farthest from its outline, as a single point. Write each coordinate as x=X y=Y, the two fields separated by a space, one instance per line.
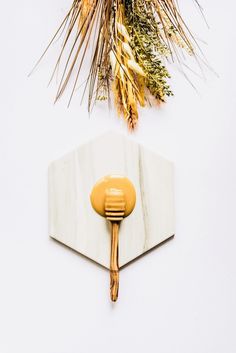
x=130 y=42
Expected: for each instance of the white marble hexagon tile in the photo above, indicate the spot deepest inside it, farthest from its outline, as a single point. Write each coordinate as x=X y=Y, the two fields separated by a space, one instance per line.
x=72 y=220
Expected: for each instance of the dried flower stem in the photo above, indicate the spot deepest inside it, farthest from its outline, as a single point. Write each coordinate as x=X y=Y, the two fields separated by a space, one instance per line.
x=131 y=40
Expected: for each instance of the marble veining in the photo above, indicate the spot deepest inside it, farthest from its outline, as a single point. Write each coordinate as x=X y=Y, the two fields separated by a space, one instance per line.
x=72 y=219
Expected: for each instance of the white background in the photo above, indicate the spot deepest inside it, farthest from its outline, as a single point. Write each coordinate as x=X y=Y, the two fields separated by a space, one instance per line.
x=180 y=298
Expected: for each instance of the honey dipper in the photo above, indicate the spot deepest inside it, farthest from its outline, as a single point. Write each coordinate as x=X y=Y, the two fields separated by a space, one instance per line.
x=114 y=197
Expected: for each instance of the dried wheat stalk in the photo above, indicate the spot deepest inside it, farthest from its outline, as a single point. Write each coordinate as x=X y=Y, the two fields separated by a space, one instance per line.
x=130 y=41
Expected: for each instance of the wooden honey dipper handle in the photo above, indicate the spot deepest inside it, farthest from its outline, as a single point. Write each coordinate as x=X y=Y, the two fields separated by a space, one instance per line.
x=114 y=264
x=114 y=197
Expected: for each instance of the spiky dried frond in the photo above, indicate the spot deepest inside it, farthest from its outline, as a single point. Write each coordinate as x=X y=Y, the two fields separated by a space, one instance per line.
x=130 y=40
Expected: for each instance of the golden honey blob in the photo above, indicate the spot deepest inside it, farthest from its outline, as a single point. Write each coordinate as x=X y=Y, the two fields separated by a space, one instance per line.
x=114 y=182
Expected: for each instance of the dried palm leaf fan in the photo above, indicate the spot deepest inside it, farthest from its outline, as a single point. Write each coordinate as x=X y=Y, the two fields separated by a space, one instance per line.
x=130 y=40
